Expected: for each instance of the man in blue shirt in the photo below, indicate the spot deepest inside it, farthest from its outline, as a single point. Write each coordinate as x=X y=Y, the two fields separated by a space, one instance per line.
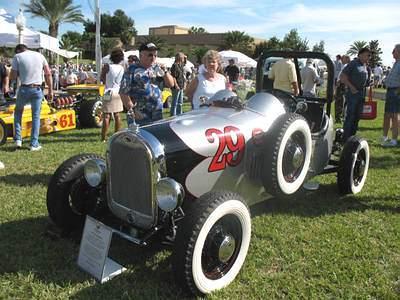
x=392 y=104
x=139 y=91
x=355 y=77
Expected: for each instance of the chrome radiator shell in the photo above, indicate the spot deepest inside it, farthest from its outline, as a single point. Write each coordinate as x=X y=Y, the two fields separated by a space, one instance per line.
x=135 y=161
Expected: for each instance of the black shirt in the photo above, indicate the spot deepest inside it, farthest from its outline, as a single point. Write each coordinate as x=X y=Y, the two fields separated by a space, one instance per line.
x=233 y=72
x=357 y=73
x=3 y=73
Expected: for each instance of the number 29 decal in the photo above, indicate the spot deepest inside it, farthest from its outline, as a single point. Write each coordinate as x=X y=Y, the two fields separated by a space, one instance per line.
x=231 y=139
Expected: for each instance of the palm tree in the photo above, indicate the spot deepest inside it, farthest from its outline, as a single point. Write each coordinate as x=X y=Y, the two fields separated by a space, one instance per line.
x=356 y=46
x=55 y=12
x=239 y=41
x=199 y=52
x=196 y=30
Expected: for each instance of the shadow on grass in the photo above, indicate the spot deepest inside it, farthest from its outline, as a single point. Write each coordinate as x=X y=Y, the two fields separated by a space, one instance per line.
x=325 y=201
x=78 y=133
x=383 y=162
x=27 y=248
x=26 y=179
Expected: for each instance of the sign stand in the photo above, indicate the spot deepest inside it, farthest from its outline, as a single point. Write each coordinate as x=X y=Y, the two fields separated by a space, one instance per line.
x=93 y=252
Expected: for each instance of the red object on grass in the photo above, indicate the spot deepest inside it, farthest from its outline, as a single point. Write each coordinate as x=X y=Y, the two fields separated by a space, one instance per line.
x=369 y=108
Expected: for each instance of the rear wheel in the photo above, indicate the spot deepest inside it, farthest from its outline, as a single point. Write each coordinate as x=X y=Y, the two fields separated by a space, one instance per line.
x=3 y=132
x=288 y=147
x=212 y=242
x=69 y=196
x=353 y=166
x=90 y=113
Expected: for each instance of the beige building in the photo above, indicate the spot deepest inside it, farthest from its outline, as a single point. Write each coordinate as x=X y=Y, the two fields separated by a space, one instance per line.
x=168 y=30
x=177 y=38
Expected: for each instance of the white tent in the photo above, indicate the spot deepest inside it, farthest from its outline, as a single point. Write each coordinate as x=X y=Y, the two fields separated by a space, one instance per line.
x=32 y=39
x=241 y=60
x=106 y=59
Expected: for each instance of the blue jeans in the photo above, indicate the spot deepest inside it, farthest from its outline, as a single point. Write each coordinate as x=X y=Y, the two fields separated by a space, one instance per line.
x=177 y=102
x=34 y=96
x=353 y=112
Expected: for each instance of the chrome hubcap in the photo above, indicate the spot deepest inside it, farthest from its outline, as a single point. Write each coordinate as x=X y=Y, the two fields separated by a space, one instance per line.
x=226 y=248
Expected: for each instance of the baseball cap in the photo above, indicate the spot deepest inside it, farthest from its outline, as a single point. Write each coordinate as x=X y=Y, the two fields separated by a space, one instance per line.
x=148 y=46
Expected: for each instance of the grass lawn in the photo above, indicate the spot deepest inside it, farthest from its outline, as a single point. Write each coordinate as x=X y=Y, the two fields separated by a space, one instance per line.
x=315 y=245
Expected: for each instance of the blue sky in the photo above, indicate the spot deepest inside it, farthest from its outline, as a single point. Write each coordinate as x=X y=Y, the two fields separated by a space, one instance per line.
x=338 y=23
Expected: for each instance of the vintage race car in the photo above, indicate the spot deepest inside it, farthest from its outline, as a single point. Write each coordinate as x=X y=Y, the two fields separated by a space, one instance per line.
x=51 y=120
x=191 y=179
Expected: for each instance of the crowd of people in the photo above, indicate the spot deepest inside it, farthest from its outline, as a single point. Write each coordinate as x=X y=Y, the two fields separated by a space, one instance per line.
x=137 y=86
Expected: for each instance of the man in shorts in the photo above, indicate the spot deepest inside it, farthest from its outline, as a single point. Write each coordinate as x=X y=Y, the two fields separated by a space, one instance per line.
x=392 y=104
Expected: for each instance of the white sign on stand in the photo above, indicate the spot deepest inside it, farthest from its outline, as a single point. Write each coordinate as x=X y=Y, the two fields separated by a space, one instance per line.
x=93 y=253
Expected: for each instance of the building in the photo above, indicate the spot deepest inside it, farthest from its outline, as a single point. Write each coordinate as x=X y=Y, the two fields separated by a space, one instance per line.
x=168 y=30
x=177 y=39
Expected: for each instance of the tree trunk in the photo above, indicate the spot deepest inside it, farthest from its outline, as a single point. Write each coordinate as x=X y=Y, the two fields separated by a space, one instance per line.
x=53 y=31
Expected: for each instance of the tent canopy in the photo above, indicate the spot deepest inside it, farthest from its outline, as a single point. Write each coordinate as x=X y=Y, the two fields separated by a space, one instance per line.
x=166 y=61
x=32 y=39
x=241 y=60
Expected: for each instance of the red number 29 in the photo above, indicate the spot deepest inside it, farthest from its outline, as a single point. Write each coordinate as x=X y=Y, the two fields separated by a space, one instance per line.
x=235 y=147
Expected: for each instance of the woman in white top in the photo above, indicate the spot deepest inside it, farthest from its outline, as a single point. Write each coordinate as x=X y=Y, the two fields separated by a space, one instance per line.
x=208 y=81
x=111 y=75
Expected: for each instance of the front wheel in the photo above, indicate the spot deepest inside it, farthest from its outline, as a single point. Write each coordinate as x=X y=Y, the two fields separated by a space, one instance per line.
x=353 y=166
x=69 y=196
x=212 y=242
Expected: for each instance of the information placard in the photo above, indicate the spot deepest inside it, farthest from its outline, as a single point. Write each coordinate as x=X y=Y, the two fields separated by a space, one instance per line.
x=93 y=253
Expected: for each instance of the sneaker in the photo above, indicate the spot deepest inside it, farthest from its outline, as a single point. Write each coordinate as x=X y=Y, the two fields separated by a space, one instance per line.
x=18 y=143
x=390 y=143
x=1 y=166
x=384 y=139
x=37 y=148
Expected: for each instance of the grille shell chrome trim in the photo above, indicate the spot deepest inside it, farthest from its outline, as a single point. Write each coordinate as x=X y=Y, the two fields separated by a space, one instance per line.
x=137 y=212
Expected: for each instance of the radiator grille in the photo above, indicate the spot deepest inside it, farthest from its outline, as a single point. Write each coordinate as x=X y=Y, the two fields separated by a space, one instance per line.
x=130 y=180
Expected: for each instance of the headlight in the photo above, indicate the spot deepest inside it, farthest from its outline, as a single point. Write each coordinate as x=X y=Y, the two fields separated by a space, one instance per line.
x=170 y=194
x=95 y=171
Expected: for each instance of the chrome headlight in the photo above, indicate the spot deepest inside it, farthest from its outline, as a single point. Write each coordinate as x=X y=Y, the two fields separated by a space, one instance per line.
x=170 y=194
x=95 y=172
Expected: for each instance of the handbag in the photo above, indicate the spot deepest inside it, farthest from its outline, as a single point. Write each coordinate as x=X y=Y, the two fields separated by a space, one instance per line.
x=107 y=95
x=369 y=111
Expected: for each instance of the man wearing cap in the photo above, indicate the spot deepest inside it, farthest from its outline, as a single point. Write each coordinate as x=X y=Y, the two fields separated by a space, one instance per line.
x=29 y=66
x=355 y=78
x=309 y=78
x=139 y=92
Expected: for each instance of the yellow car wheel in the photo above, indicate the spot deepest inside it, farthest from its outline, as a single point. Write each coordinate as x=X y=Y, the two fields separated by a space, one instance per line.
x=3 y=132
x=91 y=113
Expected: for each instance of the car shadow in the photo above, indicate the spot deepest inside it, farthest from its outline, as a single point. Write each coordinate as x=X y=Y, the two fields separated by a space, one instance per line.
x=31 y=247
x=26 y=179
x=326 y=200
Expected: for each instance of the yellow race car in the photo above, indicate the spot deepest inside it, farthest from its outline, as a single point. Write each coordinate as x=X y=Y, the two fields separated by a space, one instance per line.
x=51 y=120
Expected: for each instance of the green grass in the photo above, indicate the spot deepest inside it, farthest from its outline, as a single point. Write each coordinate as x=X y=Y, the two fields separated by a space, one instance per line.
x=315 y=245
